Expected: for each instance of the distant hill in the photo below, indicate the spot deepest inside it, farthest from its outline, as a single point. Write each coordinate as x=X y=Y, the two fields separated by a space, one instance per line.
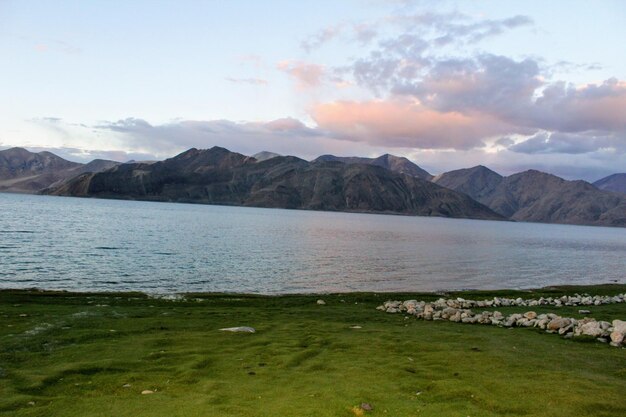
x=264 y=156
x=476 y=182
x=615 y=182
x=538 y=197
x=218 y=176
x=27 y=172
x=393 y=163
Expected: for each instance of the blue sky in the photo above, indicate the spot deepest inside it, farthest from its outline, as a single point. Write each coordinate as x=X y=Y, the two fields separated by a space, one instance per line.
x=511 y=85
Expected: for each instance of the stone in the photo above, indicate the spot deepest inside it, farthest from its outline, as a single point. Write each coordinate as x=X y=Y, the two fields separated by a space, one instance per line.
x=456 y=317
x=530 y=315
x=523 y=322
x=591 y=328
x=126 y=386
x=584 y=311
x=366 y=406
x=321 y=302
x=617 y=337
x=147 y=392
x=240 y=329
x=619 y=326
x=448 y=312
x=558 y=323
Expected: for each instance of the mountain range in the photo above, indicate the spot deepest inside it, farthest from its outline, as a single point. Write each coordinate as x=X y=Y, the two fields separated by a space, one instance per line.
x=387 y=184
x=218 y=176
x=536 y=196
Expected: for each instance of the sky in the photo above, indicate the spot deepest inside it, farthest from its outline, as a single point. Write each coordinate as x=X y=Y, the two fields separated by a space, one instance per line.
x=448 y=84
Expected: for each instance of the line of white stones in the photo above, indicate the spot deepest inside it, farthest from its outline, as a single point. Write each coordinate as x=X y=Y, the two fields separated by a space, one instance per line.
x=459 y=310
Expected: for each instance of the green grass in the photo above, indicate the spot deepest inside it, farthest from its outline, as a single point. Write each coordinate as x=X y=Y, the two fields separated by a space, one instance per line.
x=72 y=354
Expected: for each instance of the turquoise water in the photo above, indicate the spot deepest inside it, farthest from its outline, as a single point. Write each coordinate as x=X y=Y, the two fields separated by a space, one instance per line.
x=88 y=244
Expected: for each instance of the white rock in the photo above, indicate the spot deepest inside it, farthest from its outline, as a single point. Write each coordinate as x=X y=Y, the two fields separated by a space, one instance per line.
x=619 y=326
x=617 y=338
x=530 y=315
x=240 y=329
x=321 y=302
x=591 y=328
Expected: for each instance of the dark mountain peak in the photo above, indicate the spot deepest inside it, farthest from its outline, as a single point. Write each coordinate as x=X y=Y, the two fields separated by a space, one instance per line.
x=478 y=169
x=343 y=159
x=390 y=157
x=97 y=165
x=200 y=160
x=535 y=175
x=14 y=150
x=325 y=157
x=477 y=182
x=483 y=168
x=219 y=149
x=393 y=163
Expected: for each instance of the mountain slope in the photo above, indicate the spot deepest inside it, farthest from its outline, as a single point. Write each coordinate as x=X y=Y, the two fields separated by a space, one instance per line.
x=29 y=172
x=393 y=163
x=539 y=197
x=615 y=182
x=218 y=176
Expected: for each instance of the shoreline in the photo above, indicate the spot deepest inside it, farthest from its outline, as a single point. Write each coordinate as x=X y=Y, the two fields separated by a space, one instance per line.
x=605 y=288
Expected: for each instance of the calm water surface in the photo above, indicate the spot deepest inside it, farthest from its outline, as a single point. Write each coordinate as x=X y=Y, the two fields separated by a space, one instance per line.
x=89 y=244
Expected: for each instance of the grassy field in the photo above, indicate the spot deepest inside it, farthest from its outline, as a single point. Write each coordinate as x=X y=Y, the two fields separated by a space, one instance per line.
x=64 y=354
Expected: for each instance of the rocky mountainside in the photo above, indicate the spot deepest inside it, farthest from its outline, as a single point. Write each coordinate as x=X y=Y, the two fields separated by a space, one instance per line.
x=387 y=161
x=28 y=172
x=218 y=176
x=538 y=197
x=615 y=182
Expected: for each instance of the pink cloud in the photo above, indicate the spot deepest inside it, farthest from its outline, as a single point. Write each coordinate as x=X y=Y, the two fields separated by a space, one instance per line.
x=306 y=74
x=406 y=124
x=286 y=124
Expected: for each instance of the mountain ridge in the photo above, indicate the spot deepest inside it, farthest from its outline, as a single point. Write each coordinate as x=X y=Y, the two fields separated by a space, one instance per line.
x=537 y=196
x=394 y=163
x=28 y=172
x=218 y=176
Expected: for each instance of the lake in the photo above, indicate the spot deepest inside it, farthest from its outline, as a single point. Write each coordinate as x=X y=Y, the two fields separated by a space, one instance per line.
x=96 y=245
